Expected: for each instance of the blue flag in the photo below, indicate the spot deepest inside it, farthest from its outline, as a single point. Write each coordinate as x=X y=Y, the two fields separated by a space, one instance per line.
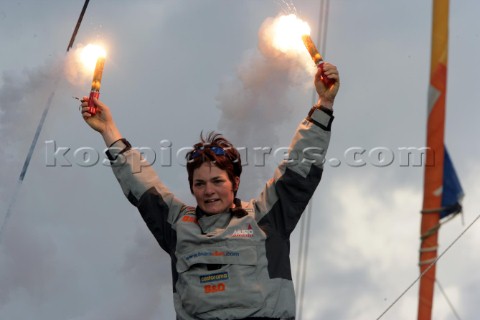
x=452 y=190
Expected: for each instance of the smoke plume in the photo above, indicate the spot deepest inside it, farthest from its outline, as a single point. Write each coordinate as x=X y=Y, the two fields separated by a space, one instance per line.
x=255 y=103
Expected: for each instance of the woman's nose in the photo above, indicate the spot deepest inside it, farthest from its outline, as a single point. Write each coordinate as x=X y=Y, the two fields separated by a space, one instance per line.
x=208 y=188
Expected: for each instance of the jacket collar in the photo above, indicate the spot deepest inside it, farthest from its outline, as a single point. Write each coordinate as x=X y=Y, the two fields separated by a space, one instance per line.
x=209 y=223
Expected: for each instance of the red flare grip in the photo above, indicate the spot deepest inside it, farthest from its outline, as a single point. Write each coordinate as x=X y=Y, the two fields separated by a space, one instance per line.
x=92 y=109
x=326 y=81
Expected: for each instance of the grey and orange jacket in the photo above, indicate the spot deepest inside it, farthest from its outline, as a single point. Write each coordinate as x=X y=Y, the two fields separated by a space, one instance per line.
x=224 y=266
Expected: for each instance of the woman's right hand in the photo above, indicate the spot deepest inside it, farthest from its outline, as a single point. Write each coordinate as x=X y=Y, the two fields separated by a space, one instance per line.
x=101 y=121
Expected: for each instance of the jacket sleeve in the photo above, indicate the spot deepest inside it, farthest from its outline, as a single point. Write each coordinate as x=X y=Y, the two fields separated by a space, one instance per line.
x=285 y=196
x=140 y=184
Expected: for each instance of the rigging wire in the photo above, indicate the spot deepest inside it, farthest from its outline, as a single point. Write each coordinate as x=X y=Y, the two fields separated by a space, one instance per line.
x=305 y=234
x=38 y=131
x=304 y=262
x=448 y=300
x=428 y=268
x=27 y=162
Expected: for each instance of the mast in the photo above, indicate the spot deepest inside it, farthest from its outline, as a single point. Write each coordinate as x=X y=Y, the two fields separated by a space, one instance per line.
x=434 y=168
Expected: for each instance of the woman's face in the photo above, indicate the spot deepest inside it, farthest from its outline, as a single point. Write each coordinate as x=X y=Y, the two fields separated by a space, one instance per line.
x=212 y=188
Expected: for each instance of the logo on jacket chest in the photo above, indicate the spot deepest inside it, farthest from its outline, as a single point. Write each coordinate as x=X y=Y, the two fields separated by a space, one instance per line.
x=245 y=232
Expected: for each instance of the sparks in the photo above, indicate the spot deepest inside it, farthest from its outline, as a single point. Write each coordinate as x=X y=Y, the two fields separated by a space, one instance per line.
x=288 y=32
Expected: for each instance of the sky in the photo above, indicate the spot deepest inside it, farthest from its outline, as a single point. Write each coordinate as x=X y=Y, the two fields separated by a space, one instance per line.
x=74 y=248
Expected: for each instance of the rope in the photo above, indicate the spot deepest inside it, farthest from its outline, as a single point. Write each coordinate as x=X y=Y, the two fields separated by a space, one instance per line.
x=435 y=228
x=429 y=267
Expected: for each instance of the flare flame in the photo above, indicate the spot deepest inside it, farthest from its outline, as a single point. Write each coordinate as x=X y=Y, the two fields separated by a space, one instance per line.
x=90 y=54
x=288 y=32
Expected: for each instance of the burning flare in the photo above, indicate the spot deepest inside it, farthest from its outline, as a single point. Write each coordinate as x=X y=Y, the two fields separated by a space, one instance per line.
x=285 y=36
x=291 y=35
x=312 y=49
x=93 y=59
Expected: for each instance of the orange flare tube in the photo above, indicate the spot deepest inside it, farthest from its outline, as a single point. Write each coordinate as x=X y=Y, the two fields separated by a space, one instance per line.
x=312 y=49
x=96 y=84
x=316 y=57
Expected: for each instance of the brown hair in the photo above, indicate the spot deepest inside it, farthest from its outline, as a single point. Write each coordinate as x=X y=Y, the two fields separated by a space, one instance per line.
x=203 y=151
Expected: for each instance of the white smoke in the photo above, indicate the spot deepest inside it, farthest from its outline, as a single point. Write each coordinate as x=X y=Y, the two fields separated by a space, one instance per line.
x=255 y=103
x=75 y=70
x=27 y=257
x=144 y=276
x=43 y=274
x=36 y=269
x=23 y=98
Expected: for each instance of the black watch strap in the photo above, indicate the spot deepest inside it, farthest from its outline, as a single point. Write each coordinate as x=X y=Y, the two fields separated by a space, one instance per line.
x=117 y=148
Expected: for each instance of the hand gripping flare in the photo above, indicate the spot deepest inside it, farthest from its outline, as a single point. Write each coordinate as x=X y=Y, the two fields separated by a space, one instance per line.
x=316 y=57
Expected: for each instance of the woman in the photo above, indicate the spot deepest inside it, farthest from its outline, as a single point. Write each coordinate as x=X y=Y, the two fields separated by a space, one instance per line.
x=229 y=258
